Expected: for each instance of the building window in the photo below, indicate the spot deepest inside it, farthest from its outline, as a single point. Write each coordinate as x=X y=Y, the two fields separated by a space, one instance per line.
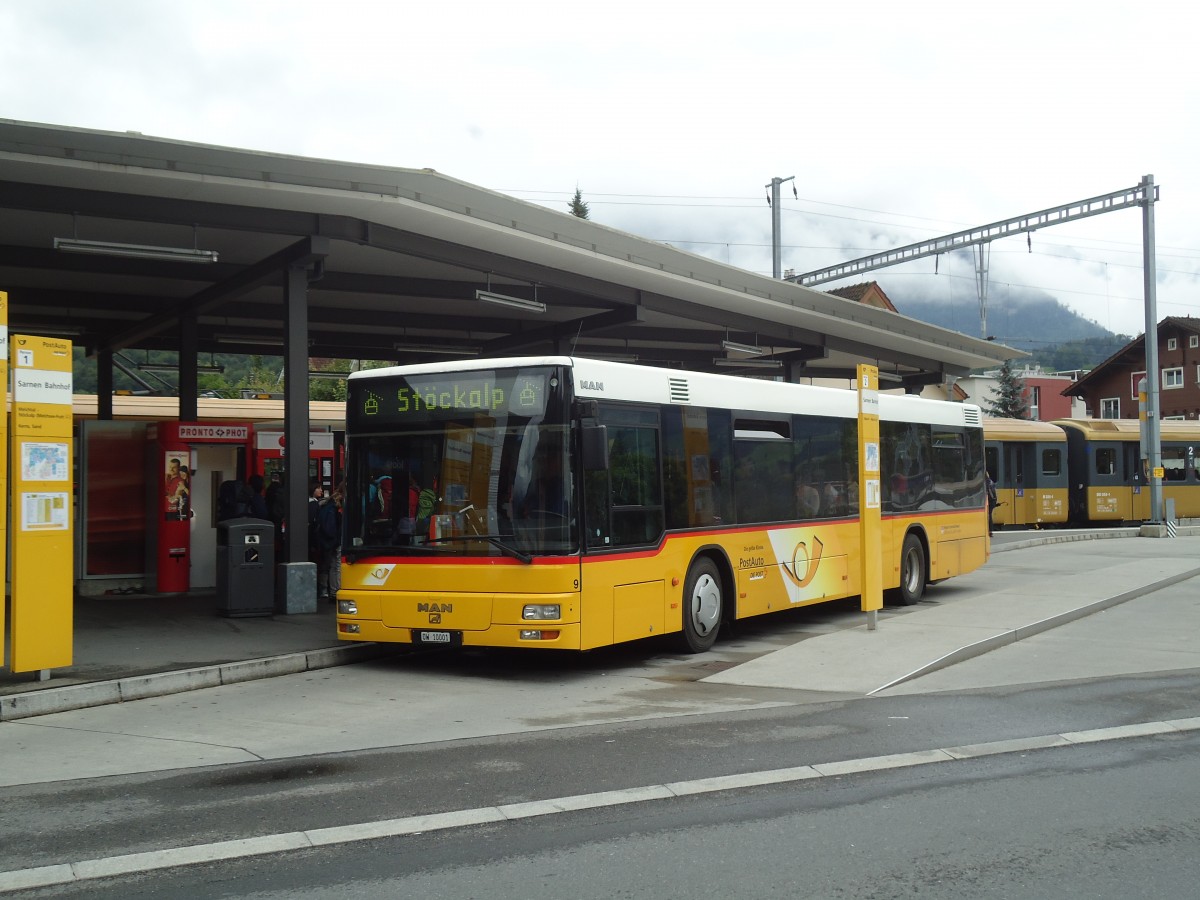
x=1172 y=343
x=1110 y=408
x=1172 y=378
x=1134 y=380
x=1035 y=396
x=1194 y=340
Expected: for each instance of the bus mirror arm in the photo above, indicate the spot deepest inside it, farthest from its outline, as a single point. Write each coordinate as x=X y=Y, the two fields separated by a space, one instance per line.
x=595 y=447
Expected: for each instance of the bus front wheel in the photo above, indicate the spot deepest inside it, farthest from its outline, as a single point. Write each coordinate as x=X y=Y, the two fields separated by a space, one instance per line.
x=701 y=606
x=912 y=572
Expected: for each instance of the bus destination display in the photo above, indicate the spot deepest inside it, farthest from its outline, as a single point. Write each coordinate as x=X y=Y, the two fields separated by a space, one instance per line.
x=425 y=397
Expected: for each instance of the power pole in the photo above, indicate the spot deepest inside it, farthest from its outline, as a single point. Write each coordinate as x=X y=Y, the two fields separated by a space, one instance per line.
x=1153 y=432
x=776 y=245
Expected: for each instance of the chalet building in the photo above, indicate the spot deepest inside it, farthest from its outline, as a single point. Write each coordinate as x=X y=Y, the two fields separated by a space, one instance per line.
x=1110 y=390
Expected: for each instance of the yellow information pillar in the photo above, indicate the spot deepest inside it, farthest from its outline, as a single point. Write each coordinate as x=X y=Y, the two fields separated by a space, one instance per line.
x=870 y=528
x=3 y=463
x=42 y=544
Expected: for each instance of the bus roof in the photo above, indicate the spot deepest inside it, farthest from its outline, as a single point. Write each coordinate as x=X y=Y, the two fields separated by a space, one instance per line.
x=605 y=380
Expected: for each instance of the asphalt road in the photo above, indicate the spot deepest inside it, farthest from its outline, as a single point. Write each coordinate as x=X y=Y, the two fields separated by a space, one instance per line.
x=625 y=773
x=1107 y=820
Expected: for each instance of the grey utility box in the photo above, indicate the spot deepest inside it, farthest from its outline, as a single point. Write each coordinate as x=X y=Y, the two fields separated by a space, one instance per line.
x=246 y=567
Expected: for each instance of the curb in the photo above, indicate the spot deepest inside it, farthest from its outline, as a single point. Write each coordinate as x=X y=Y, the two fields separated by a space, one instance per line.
x=141 y=687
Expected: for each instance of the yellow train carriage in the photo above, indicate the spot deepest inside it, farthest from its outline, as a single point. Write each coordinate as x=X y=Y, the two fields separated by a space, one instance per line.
x=1028 y=462
x=1109 y=481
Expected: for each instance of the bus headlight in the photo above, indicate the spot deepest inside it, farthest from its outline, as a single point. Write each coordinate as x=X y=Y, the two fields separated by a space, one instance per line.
x=542 y=611
x=347 y=608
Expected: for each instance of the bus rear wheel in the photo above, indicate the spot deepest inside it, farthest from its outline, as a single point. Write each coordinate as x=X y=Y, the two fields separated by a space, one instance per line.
x=912 y=572
x=702 y=604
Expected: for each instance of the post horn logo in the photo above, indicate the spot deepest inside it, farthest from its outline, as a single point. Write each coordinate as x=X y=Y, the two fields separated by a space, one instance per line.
x=803 y=567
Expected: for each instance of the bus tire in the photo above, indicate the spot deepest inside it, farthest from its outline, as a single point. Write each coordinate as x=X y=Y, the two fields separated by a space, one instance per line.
x=912 y=572
x=702 y=606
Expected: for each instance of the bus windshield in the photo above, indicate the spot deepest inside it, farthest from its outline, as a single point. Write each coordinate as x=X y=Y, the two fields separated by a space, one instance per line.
x=462 y=464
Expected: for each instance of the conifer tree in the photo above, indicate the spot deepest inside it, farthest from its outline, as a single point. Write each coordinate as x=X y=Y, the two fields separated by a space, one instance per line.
x=1009 y=399
x=577 y=206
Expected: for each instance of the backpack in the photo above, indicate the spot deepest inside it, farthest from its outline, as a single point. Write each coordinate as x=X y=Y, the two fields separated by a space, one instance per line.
x=233 y=500
x=328 y=527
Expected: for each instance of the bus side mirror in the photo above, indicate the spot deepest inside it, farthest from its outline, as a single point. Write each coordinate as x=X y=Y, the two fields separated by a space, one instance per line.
x=595 y=447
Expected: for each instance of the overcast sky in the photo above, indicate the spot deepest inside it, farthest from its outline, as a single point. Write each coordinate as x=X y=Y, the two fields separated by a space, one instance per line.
x=900 y=121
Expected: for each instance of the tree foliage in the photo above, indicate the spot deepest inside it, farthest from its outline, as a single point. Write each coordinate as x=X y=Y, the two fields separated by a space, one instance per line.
x=238 y=372
x=577 y=206
x=1010 y=399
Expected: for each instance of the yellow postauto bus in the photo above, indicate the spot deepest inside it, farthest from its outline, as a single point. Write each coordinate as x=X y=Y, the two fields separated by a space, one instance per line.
x=565 y=503
x=1028 y=462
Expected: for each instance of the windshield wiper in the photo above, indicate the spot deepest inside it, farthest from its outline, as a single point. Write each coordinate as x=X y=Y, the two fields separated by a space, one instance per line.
x=492 y=539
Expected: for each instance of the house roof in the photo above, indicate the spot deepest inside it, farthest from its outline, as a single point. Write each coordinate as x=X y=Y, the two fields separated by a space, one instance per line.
x=868 y=292
x=1132 y=356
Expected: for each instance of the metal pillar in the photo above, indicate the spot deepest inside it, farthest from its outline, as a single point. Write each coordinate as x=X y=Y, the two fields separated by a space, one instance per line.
x=983 y=256
x=104 y=384
x=776 y=241
x=295 y=428
x=1153 y=451
x=189 y=407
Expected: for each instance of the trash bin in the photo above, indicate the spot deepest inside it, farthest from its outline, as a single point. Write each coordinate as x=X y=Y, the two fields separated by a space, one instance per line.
x=246 y=567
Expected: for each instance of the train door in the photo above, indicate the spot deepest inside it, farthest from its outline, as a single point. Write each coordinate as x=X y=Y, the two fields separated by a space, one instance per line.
x=1108 y=490
x=1014 y=466
x=1139 y=500
x=992 y=462
x=1050 y=502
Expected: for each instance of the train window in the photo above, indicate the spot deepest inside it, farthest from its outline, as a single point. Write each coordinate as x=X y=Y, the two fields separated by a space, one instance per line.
x=1174 y=462
x=1106 y=461
x=1051 y=462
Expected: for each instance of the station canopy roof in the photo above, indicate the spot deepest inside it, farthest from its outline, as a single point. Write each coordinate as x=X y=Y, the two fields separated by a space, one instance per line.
x=395 y=259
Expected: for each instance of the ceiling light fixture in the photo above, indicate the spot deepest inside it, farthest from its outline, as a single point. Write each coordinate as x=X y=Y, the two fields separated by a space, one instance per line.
x=249 y=340
x=442 y=349
x=514 y=302
x=735 y=347
x=170 y=367
x=55 y=330
x=727 y=363
x=135 y=251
